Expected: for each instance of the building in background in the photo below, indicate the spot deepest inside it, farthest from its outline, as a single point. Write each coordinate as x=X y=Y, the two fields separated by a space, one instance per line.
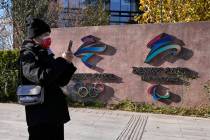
x=121 y=11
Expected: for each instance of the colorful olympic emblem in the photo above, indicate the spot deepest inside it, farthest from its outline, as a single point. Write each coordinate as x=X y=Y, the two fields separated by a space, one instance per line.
x=162 y=43
x=88 y=49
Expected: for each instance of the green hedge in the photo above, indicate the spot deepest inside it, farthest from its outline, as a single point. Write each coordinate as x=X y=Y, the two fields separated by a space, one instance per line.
x=8 y=75
x=127 y=105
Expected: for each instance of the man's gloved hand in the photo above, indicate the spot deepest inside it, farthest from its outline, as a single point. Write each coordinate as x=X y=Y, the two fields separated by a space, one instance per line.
x=68 y=55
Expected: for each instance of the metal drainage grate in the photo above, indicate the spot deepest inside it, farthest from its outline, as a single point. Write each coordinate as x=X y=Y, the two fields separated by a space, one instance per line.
x=134 y=129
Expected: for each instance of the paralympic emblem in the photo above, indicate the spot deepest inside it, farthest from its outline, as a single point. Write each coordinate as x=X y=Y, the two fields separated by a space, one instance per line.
x=90 y=48
x=162 y=44
x=153 y=91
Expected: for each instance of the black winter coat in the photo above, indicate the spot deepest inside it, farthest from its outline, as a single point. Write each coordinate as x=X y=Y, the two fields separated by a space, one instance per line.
x=40 y=67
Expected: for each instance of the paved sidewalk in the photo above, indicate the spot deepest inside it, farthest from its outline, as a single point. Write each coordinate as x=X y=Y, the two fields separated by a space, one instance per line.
x=92 y=124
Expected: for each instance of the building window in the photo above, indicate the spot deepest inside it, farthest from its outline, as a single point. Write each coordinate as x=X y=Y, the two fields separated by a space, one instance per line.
x=123 y=11
x=114 y=5
x=65 y=3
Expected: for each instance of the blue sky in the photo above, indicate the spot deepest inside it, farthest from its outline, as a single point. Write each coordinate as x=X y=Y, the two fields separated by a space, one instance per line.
x=8 y=28
x=1 y=13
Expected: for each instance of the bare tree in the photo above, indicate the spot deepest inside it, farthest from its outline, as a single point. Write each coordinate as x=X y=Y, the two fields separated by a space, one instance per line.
x=47 y=10
x=91 y=13
x=70 y=17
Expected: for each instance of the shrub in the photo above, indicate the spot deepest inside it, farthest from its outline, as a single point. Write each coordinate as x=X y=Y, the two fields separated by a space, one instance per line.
x=8 y=75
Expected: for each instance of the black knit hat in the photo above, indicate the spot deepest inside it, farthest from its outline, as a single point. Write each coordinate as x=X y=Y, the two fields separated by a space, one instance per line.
x=36 y=27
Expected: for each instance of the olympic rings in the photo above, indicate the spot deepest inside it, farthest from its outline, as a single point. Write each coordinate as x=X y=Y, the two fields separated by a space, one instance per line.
x=91 y=89
x=83 y=92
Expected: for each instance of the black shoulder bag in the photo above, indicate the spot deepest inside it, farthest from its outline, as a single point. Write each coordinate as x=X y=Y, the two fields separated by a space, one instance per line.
x=28 y=94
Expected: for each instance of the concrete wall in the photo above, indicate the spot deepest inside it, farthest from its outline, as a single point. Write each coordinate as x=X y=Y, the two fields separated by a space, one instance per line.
x=130 y=44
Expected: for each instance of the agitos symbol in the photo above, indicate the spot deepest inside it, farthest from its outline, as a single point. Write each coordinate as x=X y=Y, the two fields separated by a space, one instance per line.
x=153 y=91
x=162 y=43
x=88 y=49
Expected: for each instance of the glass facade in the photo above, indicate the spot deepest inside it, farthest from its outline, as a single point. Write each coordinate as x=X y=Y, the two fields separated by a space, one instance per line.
x=121 y=11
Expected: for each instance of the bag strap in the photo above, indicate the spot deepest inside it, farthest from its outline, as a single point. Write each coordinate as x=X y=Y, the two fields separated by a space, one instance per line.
x=20 y=61
x=20 y=70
